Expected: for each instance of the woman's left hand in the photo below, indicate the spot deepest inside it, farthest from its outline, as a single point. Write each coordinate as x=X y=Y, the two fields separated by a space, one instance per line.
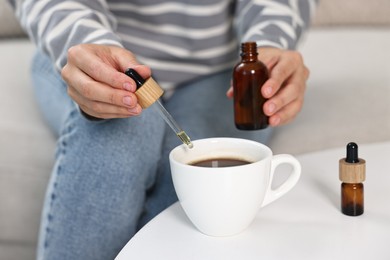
x=285 y=88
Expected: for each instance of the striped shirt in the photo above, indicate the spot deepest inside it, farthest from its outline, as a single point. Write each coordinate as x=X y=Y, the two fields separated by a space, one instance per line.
x=179 y=39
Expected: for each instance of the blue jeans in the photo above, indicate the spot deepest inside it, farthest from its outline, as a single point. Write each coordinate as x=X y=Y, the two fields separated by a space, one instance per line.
x=111 y=177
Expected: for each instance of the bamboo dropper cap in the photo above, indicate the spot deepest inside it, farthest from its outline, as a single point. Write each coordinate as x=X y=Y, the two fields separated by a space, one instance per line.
x=352 y=169
x=148 y=91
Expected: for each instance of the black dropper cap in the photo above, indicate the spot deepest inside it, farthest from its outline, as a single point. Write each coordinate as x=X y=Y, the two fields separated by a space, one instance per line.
x=352 y=153
x=139 y=81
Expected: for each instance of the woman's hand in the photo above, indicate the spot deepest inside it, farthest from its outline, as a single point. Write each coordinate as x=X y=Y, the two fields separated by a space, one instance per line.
x=97 y=83
x=286 y=85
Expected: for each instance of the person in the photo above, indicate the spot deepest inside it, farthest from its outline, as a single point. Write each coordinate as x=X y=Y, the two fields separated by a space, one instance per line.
x=111 y=173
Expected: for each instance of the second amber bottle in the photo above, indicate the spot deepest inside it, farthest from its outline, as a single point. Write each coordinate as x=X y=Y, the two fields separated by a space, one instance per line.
x=249 y=75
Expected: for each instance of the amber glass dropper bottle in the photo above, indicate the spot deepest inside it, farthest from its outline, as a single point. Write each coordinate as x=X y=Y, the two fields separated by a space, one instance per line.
x=249 y=75
x=352 y=171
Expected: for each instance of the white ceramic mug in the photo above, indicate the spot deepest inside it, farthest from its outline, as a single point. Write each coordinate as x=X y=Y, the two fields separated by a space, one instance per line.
x=224 y=201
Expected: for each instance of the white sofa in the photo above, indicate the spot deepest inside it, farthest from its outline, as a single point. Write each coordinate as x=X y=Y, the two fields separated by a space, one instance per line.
x=348 y=99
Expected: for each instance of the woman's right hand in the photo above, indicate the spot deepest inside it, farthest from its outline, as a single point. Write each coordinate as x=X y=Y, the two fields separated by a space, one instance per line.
x=97 y=83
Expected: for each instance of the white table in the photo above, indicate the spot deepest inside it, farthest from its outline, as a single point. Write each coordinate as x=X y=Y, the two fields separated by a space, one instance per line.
x=304 y=224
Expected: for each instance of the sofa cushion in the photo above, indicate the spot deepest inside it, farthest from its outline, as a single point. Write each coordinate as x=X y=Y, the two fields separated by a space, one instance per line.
x=353 y=13
x=26 y=153
x=9 y=26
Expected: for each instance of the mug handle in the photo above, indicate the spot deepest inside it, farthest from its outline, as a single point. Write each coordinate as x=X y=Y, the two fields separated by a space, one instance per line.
x=287 y=185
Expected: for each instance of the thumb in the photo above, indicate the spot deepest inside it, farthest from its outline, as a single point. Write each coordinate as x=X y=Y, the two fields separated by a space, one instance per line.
x=126 y=59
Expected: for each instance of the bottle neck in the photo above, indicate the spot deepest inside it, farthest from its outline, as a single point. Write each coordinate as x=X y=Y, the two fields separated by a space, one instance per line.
x=249 y=52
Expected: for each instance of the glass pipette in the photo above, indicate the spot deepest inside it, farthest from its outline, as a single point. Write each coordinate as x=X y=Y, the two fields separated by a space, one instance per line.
x=172 y=123
x=153 y=100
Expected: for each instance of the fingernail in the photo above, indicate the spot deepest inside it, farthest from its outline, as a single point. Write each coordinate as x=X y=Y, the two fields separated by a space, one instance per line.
x=127 y=100
x=271 y=108
x=127 y=86
x=134 y=110
x=268 y=91
x=276 y=121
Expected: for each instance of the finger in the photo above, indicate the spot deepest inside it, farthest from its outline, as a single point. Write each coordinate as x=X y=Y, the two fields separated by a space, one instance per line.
x=294 y=89
x=271 y=62
x=106 y=111
x=287 y=64
x=269 y=55
x=95 y=91
x=229 y=92
x=306 y=73
x=287 y=114
x=280 y=72
x=100 y=67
